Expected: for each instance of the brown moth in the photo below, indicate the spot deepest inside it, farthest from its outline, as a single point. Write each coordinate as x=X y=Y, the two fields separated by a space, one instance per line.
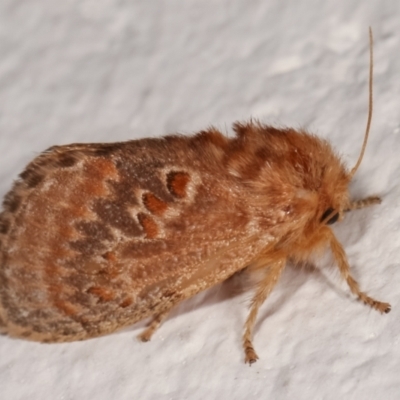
x=95 y=237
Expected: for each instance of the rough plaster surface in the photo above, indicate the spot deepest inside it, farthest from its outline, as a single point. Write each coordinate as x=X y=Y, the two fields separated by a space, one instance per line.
x=109 y=70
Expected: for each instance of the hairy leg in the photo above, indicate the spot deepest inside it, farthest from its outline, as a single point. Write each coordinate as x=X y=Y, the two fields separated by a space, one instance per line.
x=368 y=201
x=263 y=290
x=155 y=323
x=344 y=268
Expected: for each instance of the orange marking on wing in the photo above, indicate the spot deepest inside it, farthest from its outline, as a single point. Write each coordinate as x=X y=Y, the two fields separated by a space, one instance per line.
x=103 y=293
x=149 y=225
x=102 y=168
x=65 y=306
x=126 y=302
x=97 y=172
x=110 y=256
x=154 y=204
x=177 y=183
x=113 y=271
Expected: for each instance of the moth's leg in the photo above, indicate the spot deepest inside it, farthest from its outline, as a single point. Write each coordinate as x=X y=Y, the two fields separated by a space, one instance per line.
x=264 y=288
x=344 y=268
x=368 y=201
x=155 y=323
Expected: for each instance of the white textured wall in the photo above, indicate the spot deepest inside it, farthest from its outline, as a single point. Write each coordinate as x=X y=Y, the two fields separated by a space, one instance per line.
x=108 y=70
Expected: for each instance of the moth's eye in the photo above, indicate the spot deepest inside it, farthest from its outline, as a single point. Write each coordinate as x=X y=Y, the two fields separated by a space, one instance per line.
x=331 y=220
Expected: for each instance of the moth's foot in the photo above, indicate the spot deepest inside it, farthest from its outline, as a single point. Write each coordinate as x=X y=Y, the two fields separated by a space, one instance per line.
x=383 y=308
x=146 y=335
x=250 y=355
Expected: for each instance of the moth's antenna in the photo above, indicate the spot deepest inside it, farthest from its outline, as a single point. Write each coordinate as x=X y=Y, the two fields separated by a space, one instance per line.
x=370 y=102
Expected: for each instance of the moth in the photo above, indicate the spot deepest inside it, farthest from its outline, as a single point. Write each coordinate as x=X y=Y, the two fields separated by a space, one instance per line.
x=95 y=237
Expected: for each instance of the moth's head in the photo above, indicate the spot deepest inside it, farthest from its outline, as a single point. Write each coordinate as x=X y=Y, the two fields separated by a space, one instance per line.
x=321 y=201
x=322 y=187
x=333 y=193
